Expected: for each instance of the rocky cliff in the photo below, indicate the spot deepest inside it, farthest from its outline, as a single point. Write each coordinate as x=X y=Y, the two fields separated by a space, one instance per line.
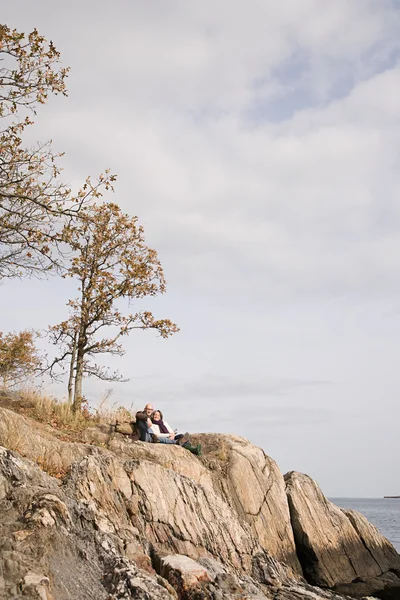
x=109 y=517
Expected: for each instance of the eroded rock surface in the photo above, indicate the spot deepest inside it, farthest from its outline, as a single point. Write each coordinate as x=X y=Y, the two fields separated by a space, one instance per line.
x=337 y=547
x=83 y=538
x=136 y=520
x=254 y=486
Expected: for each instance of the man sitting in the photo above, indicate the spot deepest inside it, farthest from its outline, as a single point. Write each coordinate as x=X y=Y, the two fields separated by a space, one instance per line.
x=144 y=423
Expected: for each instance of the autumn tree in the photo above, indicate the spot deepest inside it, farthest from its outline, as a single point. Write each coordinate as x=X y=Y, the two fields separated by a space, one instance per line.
x=111 y=262
x=19 y=357
x=33 y=201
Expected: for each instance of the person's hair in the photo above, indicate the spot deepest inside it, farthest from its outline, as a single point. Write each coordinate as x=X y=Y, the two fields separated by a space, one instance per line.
x=159 y=411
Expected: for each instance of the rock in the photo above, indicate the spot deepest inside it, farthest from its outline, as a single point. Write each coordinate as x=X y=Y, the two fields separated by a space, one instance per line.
x=304 y=592
x=98 y=434
x=335 y=547
x=382 y=551
x=34 y=441
x=37 y=585
x=178 y=516
x=194 y=580
x=261 y=501
x=171 y=457
x=83 y=534
x=183 y=573
x=260 y=498
x=137 y=520
x=64 y=554
x=126 y=581
x=124 y=428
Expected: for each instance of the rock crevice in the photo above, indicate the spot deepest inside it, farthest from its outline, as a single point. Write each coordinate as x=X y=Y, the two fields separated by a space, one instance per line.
x=135 y=520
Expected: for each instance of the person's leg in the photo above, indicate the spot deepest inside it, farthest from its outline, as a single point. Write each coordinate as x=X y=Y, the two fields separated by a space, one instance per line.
x=183 y=439
x=178 y=436
x=144 y=430
x=193 y=449
x=163 y=440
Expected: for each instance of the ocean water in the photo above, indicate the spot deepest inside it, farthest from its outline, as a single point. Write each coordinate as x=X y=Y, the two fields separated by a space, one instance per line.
x=384 y=513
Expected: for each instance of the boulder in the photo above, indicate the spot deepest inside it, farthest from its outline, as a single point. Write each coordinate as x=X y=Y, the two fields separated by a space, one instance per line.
x=51 y=546
x=172 y=457
x=382 y=551
x=99 y=435
x=132 y=519
x=125 y=428
x=252 y=484
x=178 y=516
x=77 y=539
x=183 y=572
x=335 y=547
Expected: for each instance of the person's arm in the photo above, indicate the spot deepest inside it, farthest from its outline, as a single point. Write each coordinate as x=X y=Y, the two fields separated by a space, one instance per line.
x=141 y=416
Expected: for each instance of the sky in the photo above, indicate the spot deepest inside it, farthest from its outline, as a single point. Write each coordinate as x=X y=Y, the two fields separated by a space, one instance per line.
x=258 y=143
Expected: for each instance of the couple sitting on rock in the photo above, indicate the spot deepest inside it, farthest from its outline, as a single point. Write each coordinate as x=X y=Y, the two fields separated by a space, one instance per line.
x=154 y=429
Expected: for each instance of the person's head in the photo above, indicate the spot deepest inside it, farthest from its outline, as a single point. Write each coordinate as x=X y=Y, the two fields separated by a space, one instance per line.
x=157 y=415
x=148 y=409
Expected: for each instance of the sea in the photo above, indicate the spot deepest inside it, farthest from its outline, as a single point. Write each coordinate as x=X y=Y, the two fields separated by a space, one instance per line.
x=384 y=513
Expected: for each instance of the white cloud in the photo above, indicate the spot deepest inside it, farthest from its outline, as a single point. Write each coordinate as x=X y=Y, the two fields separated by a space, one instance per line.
x=258 y=143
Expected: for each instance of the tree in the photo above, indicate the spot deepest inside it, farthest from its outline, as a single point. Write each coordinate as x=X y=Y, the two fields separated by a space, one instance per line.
x=19 y=357
x=33 y=201
x=111 y=262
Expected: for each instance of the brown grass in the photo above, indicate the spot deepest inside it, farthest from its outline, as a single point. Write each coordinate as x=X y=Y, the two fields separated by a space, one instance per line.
x=48 y=463
x=12 y=438
x=60 y=415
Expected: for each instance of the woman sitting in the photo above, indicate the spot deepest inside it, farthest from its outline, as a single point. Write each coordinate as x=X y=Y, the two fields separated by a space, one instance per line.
x=162 y=432
x=161 y=429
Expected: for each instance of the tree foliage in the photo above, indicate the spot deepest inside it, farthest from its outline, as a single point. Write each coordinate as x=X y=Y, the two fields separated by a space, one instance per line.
x=19 y=357
x=33 y=201
x=111 y=262
x=44 y=225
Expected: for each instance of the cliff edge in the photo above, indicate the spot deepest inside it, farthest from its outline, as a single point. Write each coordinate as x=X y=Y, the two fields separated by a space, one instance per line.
x=109 y=517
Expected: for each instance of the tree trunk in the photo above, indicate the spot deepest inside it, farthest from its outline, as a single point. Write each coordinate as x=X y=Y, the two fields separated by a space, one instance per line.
x=71 y=371
x=80 y=345
x=80 y=355
x=78 y=382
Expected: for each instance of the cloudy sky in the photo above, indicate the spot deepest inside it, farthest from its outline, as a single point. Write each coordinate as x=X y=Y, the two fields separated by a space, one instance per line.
x=258 y=142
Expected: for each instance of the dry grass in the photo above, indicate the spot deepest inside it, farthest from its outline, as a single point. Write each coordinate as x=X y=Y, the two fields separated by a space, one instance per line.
x=222 y=454
x=60 y=415
x=12 y=438
x=50 y=464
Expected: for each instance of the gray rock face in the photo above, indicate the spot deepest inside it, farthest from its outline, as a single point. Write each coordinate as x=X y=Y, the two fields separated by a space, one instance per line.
x=245 y=483
x=336 y=547
x=382 y=552
x=253 y=485
x=136 y=520
x=51 y=546
x=82 y=539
